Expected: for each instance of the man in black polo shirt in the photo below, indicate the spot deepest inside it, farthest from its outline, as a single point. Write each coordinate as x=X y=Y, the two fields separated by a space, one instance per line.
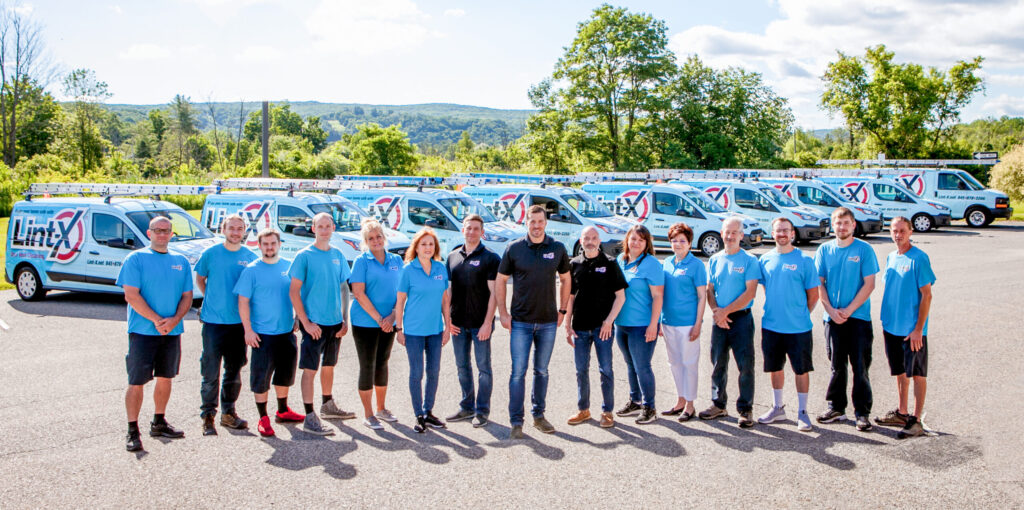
x=598 y=292
x=472 y=269
x=532 y=262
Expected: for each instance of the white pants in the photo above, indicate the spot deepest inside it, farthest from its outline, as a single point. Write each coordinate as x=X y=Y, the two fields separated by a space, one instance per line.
x=683 y=359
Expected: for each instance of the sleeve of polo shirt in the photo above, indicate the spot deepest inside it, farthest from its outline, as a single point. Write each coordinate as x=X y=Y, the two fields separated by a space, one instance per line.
x=760 y=267
x=244 y=285
x=492 y=267
x=620 y=279
x=701 y=278
x=298 y=267
x=753 y=270
x=869 y=261
x=187 y=276
x=563 y=262
x=810 y=274
x=506 y=266
x=358 y=274
x=202 y=267
x=923 y=268
x=819 y=262
x=403 y=279
x=130 y=274
x=573 y=287
x=655 y=275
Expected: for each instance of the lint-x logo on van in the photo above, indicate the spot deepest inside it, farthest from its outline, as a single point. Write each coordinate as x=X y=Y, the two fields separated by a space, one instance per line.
x=61 y=236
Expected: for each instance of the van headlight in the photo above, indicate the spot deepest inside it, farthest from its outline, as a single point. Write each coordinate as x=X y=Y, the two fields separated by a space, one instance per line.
x=494 y=237
x=805 y=217
x=938 y=206
x=609 y=229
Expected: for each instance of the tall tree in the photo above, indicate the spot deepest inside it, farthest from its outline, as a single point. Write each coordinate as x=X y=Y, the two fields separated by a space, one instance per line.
x=22 y=65
x=383 y=151
x=87 y=93
x=184 y=123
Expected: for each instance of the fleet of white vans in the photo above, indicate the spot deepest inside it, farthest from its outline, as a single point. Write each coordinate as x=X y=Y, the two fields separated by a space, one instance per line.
x=819 y=196
x=892 y=199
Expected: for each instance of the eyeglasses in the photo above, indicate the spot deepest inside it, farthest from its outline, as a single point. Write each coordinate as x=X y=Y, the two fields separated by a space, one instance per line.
x=161 y=230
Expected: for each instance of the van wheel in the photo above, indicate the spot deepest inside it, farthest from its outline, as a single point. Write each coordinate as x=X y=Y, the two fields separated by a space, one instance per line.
x=977 y=217
x=710 y=243
x=922 y=222
x=858 y=231
x=26 y=280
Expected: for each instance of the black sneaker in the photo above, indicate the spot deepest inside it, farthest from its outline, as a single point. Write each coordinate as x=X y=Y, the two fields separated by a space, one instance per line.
x=461 y=415
x=647 y=415
x=831 y=416
x=165 y=430
x=208 y=428
x=863 y=424
x=421 y=424
x=631 y=408
x=913 y=428
x=434 y=421
x=133 y=442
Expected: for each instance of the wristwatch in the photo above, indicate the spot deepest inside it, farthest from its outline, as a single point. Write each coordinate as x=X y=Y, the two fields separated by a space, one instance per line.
x=561 y=311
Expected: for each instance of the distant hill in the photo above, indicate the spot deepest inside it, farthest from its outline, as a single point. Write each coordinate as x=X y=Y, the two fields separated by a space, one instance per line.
x=428 y=125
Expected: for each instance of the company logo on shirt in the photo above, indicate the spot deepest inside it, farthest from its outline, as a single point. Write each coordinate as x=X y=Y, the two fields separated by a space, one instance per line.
x=176 y=267
x=439 y=277
x=854 y=258
x=474 y=262
x=739 y=269
x=242 y=263
x=681 y=272
x=904 y=268
x=336 y=262
x=393 y=268
x=789 y=267
x=600 y=269
x=549 y=256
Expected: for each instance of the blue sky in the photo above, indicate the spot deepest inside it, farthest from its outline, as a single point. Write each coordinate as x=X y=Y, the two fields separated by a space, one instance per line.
x=489 y=53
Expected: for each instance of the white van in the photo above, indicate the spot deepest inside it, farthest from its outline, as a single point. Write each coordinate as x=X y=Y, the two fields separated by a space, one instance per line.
x=892 y=199
x=754 y=200
x=659 y=206
x=819 y=196
x=79 y=243
x=967 y=198
x=569 y=210
x=407 y=210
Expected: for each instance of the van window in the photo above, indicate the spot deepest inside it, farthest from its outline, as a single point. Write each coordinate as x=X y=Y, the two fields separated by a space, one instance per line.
x=813 y=196
x=555 y=210
x=950 y=181
x=668 y=203
x=289 y=218
x=891 y=194
x=421 y=212
x=750 y=199
x=185 y=226
x=106 y=227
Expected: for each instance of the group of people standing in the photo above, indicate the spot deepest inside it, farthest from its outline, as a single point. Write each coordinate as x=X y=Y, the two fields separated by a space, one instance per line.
x=424 y=301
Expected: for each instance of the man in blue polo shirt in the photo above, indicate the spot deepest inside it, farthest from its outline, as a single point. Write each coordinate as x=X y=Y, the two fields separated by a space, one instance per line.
x=732 y=284
x=847 y=268
x=905 y=305
x=319 y=294
x=158 y=288
x=790 y=293
x=223 y=336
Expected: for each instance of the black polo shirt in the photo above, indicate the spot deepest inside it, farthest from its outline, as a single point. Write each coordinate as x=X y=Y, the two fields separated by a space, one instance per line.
x=594 y=283
x=533 y=267
x=469 y=274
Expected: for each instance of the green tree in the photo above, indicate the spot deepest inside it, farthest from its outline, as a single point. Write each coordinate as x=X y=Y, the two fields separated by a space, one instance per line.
x=39 y=121
x=184 y=124
x=381 y=151
x=313 y=131
x=1008 y=175
x=158 y=123
x=84 y=138
x=23 y=67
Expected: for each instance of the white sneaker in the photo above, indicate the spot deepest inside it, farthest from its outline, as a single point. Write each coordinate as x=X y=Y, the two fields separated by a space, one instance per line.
x=372 y=423
x=385 y=415
x=773 y=415
x=803 y=422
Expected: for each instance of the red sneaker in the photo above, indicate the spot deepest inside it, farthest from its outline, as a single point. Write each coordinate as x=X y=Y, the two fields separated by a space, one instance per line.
x=264 y=427
x=288 y=416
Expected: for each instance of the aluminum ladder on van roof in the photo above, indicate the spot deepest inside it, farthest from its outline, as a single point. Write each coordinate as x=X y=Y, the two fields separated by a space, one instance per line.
x=292 y=185
x=112 y=189
x=935 y=163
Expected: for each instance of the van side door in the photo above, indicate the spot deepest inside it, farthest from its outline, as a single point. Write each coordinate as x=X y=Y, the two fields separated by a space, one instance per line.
x=296 y=227
x=755 y=205
x=111 y=240
x=425 y=214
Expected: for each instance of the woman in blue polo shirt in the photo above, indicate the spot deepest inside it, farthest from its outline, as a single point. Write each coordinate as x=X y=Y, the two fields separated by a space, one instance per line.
x=422 y=320
x=374 y=282
x=636 y=326
x=686 y=280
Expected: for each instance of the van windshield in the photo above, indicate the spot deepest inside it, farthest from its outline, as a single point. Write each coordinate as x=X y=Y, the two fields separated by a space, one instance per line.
x=347 y=217
x=462 y=206
x=587 y=206
x=704 y=202
x=186 y=228
x=777 y=195
x=971 y=181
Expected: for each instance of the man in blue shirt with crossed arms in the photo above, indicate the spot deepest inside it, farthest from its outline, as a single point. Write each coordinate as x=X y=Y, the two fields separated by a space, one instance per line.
x=847 y=268
x=319 y=294
x=790 y=293
x=158 y=288
x=905 y=305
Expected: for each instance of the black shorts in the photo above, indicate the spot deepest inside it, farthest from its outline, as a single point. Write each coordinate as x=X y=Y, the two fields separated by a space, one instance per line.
x=152 y=356
x=275 y=356
x=776 y=346
x=902 y=360
x=324 y=350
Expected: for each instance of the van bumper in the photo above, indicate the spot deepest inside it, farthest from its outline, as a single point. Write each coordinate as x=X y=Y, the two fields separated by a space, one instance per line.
x=754 y=238
x=613 y=248
x=1002 y=212
x=943 y=220
x=813 y=232
x=871 y=226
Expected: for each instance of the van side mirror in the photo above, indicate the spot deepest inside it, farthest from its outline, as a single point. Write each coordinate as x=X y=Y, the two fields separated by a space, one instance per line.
x=303 y=232
x=556 y=217
x=432 y=223
x=681 y=212
x=121 y=243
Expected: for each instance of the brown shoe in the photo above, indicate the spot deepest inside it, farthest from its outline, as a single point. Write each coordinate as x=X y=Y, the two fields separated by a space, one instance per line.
x=579 y=417
x=607 y=420
x=232 y=421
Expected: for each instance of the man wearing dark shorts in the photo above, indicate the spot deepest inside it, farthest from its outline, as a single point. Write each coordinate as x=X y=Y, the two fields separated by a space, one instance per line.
x=223 y=336
x=158 y=288
x=319 y=294
x=264 y=307
x=905 y=305
x=790 y=293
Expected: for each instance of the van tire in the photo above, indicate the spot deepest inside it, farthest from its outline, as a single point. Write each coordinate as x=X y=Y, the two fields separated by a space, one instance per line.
x=858 y=231
x=710 y=243
x=28 y=284
x=922 y=222
x=978 y=217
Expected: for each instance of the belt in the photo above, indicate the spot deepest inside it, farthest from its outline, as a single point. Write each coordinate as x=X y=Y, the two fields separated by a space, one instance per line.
x=740 y=313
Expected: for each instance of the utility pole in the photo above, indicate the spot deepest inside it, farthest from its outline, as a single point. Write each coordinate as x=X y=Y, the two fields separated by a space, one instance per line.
x=266 y=139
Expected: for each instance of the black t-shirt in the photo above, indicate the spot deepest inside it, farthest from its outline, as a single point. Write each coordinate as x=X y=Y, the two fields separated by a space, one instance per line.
x=594 y=283
x=533 y=268
x=469 y=274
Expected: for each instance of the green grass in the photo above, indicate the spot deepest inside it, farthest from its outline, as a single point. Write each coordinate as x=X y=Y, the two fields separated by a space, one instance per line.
x=1018 y=211
x=3 y=251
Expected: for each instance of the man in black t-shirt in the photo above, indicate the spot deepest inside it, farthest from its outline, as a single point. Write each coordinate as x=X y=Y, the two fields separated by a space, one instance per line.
x=532 y=262
x=598 y=292
x=472 y=269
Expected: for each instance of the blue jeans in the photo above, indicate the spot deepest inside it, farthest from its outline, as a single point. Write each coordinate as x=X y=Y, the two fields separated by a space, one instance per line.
x=584 y=339
x=462 y=344
x=637 y=352
x=525 y=335
x=740 y=338
x=418 y=348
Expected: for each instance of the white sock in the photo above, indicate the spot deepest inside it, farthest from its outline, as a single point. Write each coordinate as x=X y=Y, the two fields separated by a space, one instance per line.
x=777 y=395
x=802 y=400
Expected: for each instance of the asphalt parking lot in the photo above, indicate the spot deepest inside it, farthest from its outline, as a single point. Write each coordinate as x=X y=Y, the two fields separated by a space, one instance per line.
x=62 y=425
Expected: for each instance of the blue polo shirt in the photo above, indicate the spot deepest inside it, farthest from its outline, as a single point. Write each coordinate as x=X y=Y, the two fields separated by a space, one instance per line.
x=730 y=274
x=321 y=273
x=844 y=270
x=266 y=286
x=381 y=281
x=161 y=279
x=904 y=276
x=422 y=315
x=221 y=268
x=681 y=281
x=640 y=275
x=786 y=279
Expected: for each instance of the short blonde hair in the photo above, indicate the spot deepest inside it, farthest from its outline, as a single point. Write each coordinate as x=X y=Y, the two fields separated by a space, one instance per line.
x=412 y=252
x=367 y=227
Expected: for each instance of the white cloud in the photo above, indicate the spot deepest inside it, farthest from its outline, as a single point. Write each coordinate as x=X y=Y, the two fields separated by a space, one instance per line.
x=23 y=9
x=354 y=27
x=144 y=52
x=116 y=9
x=1005 y=104
x=454 y=13
x=259 y=53
x=1013 y=80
